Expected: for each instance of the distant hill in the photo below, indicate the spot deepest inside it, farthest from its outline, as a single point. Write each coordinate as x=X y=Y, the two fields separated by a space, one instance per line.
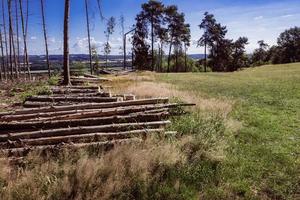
x=85 y=57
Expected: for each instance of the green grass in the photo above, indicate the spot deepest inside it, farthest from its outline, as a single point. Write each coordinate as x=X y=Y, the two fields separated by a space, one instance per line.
x=263 y=157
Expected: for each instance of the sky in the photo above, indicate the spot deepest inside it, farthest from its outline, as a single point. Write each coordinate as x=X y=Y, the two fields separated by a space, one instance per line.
x=255 y=19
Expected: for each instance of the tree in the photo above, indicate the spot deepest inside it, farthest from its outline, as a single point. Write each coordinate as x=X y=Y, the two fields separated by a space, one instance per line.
x=152 y=12
x=140 y=46
x=89 y=35
x=289 y=44
x=24 y=33
x=45 y=38
x=67 y=80
x=5 y=39
x=260 y=55
x=208 y=22
x=110 y=26
x=239 y=57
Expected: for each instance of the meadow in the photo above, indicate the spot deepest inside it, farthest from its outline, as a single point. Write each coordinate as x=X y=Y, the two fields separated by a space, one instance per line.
x=241 y=141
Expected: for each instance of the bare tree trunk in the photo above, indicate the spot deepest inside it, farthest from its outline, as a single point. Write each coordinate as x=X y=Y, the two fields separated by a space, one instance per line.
x=205 y=56
x=18 y=40
x=10 y=39
x=26 y=59
x=152 y=43
x=185 y=58
x=89 y=35
x=5 y=39
x=169 y=57
x=67 y=80
x=2 y=68
x=45 y=38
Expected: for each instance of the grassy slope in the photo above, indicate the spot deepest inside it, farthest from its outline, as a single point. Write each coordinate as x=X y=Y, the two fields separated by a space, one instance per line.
x=263 y=157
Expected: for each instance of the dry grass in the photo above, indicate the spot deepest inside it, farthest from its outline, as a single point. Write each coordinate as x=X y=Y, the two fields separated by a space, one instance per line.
x=81 y=176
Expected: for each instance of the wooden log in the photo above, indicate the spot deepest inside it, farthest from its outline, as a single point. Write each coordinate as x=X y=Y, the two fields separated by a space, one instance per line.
x=82 y=130
x=55 y=115
x=55 y=149
x=90 y=76
x=92 y=80
x=30 y=104
x=89 y=106
x=94 y=94
x=9 y=127
x=73 y=91
x=73 y=99
x=85 y=138
x=88 y=87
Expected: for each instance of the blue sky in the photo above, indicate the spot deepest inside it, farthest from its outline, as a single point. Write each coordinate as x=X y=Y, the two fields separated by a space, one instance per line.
x=255 y=19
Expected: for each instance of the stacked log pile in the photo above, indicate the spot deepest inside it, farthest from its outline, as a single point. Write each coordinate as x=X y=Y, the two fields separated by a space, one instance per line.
x=79 y=116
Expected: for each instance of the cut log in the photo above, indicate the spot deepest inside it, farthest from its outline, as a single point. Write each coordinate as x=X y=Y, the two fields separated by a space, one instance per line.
x=85 y=138
x=89 y=106
x=94 y=94
x=55 y=115
x=34 y=104
x=90 y=80
x=99 y=146
x=73 y=91
x=82 y=130
x=87 y=87
x=90 y=76
x=42 y=124
x=73 y=99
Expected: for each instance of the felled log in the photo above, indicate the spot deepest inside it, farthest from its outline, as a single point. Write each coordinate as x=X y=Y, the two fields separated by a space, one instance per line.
x=94 y=94
x=88 y=106
x=35 y=104
x=8 y=127
x=90 y=80
x=73 y=91
x=76 y=114
x=90 y=76
x=73 y=99
x=85 y=138
x=82 y=130
x=55 y=149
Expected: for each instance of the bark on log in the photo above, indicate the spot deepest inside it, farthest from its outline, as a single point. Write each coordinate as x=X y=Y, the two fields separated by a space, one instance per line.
x=89 y=106
x=73 y=99
x=82 y=130
x=86 y=138
x=91 y=80
x=73 y=91
x=55 y=149
x=54 y=115
x=78 y=87
x=9 y=127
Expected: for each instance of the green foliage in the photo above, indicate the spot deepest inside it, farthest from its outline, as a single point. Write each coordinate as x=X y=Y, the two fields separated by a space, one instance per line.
x=54 y=80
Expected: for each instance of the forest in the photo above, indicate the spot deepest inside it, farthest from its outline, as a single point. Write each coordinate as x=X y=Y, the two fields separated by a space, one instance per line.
x=155 y=120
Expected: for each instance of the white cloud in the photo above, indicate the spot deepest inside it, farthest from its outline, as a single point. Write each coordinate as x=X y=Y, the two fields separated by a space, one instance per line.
x=33 y=38
x=258 y=17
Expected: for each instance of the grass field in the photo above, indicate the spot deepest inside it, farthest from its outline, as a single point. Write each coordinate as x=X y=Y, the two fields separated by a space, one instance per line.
x=263 y=155
x=241 y=141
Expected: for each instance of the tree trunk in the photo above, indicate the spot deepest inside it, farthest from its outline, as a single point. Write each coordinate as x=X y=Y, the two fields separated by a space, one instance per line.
x=17 y=35
x=5 y=40
x=45 y=38
x=89 y=35
x=26 y=59
x=169 y=57
x=67 y=80
x=185 y=58
x=11 y=42
x=152 y=43
x=2 y=67
x=205 y=56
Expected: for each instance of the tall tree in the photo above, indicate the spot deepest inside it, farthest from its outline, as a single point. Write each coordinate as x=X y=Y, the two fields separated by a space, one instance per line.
x=140 y=46
x=110 y=26
x=45 y=38
x=17 y=36
x=67 y=80
x=5 y=38
x=153 y=13
x=2 y=67
x=24 y=33
x=207 y=24
x=89 y=35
